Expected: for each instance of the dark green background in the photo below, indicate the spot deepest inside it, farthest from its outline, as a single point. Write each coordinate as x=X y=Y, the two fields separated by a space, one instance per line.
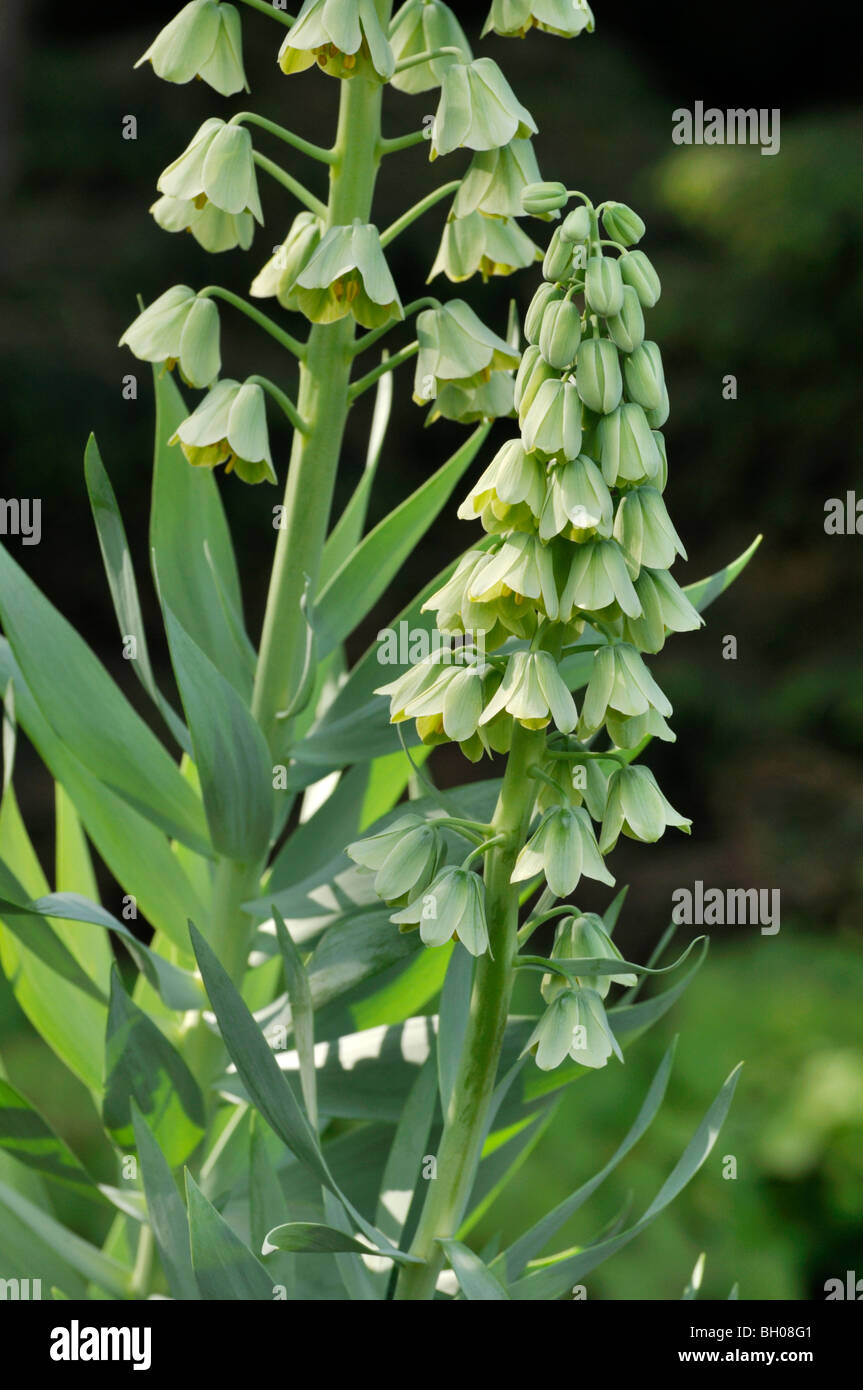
x=762 y=267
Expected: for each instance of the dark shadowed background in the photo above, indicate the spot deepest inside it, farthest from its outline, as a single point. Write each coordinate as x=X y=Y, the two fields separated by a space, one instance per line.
x=761 y=260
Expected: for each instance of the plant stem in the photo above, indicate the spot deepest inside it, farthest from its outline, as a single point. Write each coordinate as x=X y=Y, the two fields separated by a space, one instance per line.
x=467 y=1114
x=262 y=320
x=282 y=133
x=417 y=210
x=299 y=190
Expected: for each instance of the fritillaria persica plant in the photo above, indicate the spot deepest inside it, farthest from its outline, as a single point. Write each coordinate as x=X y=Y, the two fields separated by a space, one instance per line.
x=306 y=1061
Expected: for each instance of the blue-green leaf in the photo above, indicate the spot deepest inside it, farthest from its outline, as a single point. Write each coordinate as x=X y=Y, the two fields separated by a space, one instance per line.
x=476 y=1280
x=166 y=1212
x=225 y=1268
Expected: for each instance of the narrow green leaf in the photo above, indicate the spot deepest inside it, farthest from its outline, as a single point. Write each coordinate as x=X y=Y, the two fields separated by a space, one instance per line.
x=26 y=1135
x=166 y=1211
x=73 y=873
x=302 y=1016
x=703 y=592
x=404 y=1164
x=345 y=535
x=454 y=1013
x=311 y=1238
x=225 y=1268
x=476 y=1281
x=107 y=1273
x=37 y=937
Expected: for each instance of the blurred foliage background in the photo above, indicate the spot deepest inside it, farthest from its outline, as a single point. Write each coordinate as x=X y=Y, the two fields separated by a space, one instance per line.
x=761 y=260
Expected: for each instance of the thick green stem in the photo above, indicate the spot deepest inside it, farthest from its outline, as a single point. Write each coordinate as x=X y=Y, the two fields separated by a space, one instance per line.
x=467 y=1115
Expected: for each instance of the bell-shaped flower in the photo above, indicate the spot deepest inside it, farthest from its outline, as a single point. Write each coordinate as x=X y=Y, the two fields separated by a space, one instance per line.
x=524 y=566
x=514 y=18
x=178 y=328
x=563 y=848
x=620 y=681
x=212 y=228
x=545 y=296
x=404 y=857
x=603 y=286
x=533 y=692
x=414 y=682
x=452 y=706
x=491 y=400
x=560 y=333
x=204 y=40
x=577 y=784
x=629 y=730
x=217 y=167
x=626 y=328
x=477 y=109
x=344 y=37
x=488 y=245
x=637 y=271
x=348 y=274
x=645 y=530
x=230 y=427
x=552 y=423
x=598 y=577
x=512 y=488
x=455 y=346
x=583 y=937
x=664 y=608
x=453 y=904
x=644 y=376
x=533 y=370
x=574 y=1025
x=495 y=179
x=425 y=26
x=277 y=277
x=577 y=502
x=628 y=448
x=497 y=615
x=597 y=375
x=638 y=808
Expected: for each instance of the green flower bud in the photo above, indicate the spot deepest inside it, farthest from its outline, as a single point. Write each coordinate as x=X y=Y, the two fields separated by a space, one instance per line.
x=404 y=858
x=534 y=693
x=664 y=608
x=661 y=479
x=217 y=167
x=575 y=227
x=597 y=375
x=533 y=370
x=490 y=401
x=603 y=287
x=213 y=229
x=629 y=730
x=477 y=109
x=626 y=329
x=574 y=1025
x=456 y=346
x=557 y=262
x=645 y=531
x=637 y=807
x=637 y=271
x=644 y=377
x=598 y=577
x=524 y=566
x=560 y=334
x=627 y=448
x=545 y=295
x=348 y=274
x=513 y=479
x=452 y=905
x=540 y=198
x=619 y=681
x=494 y=181
x=204 y=40
x=230 y=427
x=622 y=224
x=563 y=847
x=657 y=418
x=280 y=273
x=584 y=938
x=178 y=327
x=425 y=27
x=513 y=18
x=344 y=37
x=552 y=422
x=490 y=245
x=577 y=501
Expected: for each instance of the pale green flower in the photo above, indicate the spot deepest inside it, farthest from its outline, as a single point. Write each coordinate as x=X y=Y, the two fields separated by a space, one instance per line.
x=230 y=427
x=512 y=487
x=577 y=502
x=622 y=224
x=533 y=370
x=477 y=109
x=603 y=286
x=491 y=400
x=576 y=226
x=583 y=937
x=628 y=730
x=216 y=167
x=563 y=848
x=348 y=274
x=451 y=705
x=657 y=416
x=546 y=295
x=626 y=328
x=637 y=807
x=637 y=270
x=597 y=375
x=598 y=577
x=424 y=26
x=628 y=448
x=494 y=181
x=664 y=608
x=404 y=857
x=574 y=1025
x=414 y=682
x=645 y=530
x=455 y=346
x=558 y=263
x=496 y=615
x=453 y=904
x=344 y=37
x=488 y=245
x=278 y=276
x=644 y=376
x=524 y=566
x=514 y=18
x=552 y=423
x=204 y=40
x=212 y=228
x=560 y=333
x=544 y=198
x=619 y=681
x=534 y=693
x=178 y=328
